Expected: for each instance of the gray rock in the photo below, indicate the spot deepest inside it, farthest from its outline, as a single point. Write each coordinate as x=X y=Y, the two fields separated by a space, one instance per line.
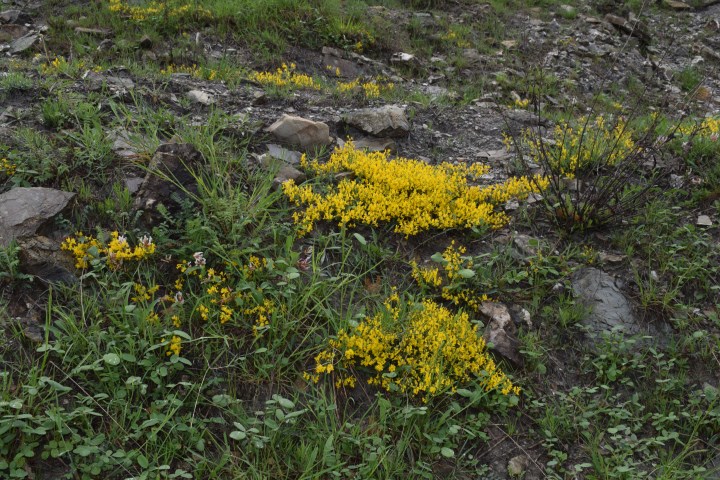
x=609 y=307
x=145 y=42
x=288 y=172
x=42 y=257
x=376 y=144
x=96 y=81
x=11 y=32
x=288 y=156
x=704 y=221
x=517 y=466
x=97 y=32
x=14 y=16
x=24 y=210
x=198 y=96
x=335 y=62
x=387 y=121
x=23 y=43
x=293 y=130
x=133 y=184
x=501 y=331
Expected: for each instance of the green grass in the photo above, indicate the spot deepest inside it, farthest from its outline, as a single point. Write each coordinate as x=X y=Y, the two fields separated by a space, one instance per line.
x=96 y=394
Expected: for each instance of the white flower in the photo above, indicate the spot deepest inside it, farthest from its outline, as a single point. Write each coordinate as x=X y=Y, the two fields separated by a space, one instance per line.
x=199 y=259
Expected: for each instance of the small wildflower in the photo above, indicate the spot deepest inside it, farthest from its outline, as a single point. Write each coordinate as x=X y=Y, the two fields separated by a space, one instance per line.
x=199 y=259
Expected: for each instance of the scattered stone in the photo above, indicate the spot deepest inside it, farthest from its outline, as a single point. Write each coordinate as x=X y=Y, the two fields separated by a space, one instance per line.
x=520 y=316
x=122 y=146
x=259 y=97
x=609 y=307
x=373 y=144
x=526 y=245
x=676 y=5
x=517 y=466
x=11 y=32
x=133 y=184
x=293 y=130
x=42 y=258
x=288 y=172
x=23 y=43
x=14 y=16
x=472 y=56
x=97 y=32
x=401 y=57
x=96 y=81
x=501 y=331
x=633 y=28
x=169 y=180
x=499 y=155
x=386 y=121
x=611 y=258
x=24 y=210
x=145 y=42
x=704 y=221
x=335 y=61
x=568 y=10
x=198 y=96
x=288 y=156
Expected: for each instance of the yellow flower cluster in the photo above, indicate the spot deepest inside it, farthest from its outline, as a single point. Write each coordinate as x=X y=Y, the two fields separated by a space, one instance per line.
x=420 y=349
x=371 y=89
x=197 y=72
x=416 y=196
x=453 y=37
x=521 y=102
x=60 y=65
x=591 y=143
x=7 y=167
x=285 y=77
x=160 y=10
x=448 y=277
x=115 y=252
x=143 y=293
x=219 y=300
x=174 y=346
x=708 y=128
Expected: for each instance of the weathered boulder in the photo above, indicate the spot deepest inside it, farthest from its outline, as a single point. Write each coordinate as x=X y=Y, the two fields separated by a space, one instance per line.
x=386 y=121
x=24 y=210
x=42 y=258
x=609 y=307
x=293 y=130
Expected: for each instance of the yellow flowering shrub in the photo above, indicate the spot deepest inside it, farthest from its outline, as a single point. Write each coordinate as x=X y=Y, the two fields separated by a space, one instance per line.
x=447 y=279
x=573 y=147
x=160 y=10
x=422 y=350
x=285 y=77
x=114 y=253
x=414 y=195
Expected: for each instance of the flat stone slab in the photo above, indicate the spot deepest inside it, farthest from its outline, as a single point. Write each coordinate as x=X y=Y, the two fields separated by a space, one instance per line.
x=23 y=210
x=609 y=307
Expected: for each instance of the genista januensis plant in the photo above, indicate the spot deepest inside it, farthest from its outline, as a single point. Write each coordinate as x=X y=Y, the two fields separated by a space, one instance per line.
x=423 y=349
x=413 y=195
